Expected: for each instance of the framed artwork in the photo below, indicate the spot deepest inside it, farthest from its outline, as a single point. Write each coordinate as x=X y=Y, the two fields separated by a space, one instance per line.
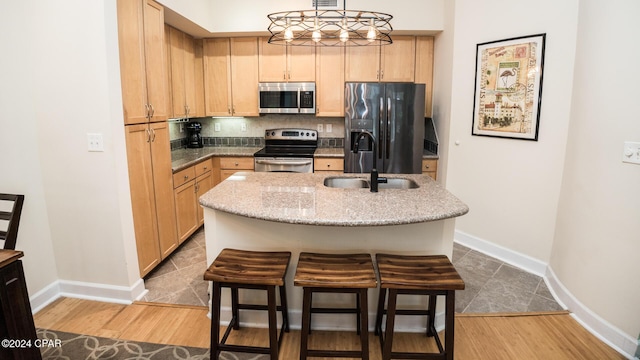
x=508 y=88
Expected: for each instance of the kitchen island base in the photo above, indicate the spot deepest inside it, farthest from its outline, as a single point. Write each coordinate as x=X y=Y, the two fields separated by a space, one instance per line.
x=226 y=230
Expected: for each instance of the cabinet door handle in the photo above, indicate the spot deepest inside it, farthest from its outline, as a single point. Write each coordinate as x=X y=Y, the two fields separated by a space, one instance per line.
x=146 y=107
x=153 y=135
x=186 y=177
x=151 y=111
x=236 y=164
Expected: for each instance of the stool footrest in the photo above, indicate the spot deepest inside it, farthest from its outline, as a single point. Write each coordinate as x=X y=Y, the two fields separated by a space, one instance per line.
x=334 y=353
x=334 y=311
x=245 y=349
x=425 y=356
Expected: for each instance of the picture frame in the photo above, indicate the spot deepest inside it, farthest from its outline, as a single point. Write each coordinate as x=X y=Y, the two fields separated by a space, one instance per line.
x=508 y=87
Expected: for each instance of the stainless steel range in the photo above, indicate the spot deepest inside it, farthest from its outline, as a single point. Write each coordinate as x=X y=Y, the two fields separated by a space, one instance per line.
x=287 y=150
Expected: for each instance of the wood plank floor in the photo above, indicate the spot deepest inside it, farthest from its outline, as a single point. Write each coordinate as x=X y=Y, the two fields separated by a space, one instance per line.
x=495 y=337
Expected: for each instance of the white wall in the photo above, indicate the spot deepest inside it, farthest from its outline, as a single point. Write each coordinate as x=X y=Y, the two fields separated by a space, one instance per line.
x=596 y=252
x=512 y=186
x=20 y=171
x=58 y=80
x=250 y=16
x=565 y=200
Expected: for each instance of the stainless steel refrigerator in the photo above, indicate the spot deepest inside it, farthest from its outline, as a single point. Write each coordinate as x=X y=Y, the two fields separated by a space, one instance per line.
x=394 y=114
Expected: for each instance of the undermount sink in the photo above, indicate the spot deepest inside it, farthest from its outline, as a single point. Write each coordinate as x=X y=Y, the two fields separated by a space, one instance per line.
x=360 y=183
x=398 y=183
x=346 y=183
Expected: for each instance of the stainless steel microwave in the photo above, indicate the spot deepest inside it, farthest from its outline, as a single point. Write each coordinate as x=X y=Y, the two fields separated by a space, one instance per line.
x=287 y=98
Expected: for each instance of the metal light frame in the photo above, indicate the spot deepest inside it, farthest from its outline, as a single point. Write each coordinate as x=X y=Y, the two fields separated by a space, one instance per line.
x=330 y=27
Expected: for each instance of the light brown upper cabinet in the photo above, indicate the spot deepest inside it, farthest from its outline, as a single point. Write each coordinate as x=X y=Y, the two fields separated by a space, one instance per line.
x=386 y=63
x=286 y=63
x=143 y=65
x=231 y=76
x=182 y=74
x=330 y=81
x=424 y=69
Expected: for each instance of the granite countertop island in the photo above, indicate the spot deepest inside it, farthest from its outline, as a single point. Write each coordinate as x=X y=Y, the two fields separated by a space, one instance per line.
x=298 y=213
x=304 y=199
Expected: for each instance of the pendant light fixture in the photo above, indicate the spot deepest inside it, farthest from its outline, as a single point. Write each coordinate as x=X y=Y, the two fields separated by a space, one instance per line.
x=329 y=27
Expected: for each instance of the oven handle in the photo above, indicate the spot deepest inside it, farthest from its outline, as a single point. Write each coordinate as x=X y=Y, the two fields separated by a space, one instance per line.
x=283 y=162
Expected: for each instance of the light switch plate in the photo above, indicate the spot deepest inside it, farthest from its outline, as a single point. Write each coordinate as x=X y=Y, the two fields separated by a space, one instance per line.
x=95 y=142
x=631 y=152
x=320 y=128
x=329 y=128
x=216 y=127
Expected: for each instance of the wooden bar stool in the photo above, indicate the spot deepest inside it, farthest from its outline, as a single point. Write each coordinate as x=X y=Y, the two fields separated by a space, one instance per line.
x=335 y=273
x=417 y=275
x=239 y=269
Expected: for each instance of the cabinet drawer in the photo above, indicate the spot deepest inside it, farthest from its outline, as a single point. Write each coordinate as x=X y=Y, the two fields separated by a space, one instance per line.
x=429 y=165
x=183 y=176
x=328 y=164
x=203 y=167
x=241 y=163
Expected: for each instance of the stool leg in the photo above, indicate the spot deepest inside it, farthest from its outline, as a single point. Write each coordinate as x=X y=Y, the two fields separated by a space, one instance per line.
x=358 y=312
x=285 y=309
x=391 y=316
x=449 y=323
x=273 y=322
x=380 y=313
x=234 y=308
x=363 y=315
x=215 y=321
x=306 y=322
x=431 y=319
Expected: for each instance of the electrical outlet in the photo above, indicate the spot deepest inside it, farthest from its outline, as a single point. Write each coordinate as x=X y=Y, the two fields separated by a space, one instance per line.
x=631 y=152
x=243 y=127
x=216 y=127
x=320 y=128
x=329 y=128
x=95 y=142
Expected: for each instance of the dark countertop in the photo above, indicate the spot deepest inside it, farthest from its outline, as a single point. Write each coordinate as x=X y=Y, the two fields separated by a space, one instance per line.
x=183 y=158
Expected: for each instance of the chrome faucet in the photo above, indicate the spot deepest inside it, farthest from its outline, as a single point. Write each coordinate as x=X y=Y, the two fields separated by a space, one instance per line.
x=374 y=172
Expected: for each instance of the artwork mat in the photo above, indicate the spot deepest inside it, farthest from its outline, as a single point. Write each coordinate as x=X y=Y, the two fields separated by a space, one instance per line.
x=508 y=87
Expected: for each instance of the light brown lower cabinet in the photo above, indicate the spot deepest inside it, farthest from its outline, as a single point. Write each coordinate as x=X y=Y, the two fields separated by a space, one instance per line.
x=152 y=201
x=430 y=167
x=231 y=165
x=328 y=164
x=190 y=184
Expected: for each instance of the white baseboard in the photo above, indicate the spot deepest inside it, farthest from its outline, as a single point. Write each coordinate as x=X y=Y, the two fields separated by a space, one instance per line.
x=88 y=291
x=603 y=330
x=609 y=334
x=524 y=262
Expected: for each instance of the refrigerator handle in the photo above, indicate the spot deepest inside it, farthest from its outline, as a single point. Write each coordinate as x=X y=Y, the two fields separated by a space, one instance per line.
x=380 y=129
x=388 y=137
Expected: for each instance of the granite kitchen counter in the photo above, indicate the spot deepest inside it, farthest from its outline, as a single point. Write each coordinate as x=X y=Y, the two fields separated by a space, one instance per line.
x=304 y=199
x=183 y=158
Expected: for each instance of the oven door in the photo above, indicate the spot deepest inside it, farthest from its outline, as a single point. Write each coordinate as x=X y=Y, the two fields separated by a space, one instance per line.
x=276 y=164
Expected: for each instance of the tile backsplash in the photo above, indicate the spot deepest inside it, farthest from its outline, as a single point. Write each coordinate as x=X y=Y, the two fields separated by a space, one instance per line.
x=229 y=131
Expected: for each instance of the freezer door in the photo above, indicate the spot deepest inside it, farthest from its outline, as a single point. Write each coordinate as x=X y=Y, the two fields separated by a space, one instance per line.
x=402 y=134
x=364 y=110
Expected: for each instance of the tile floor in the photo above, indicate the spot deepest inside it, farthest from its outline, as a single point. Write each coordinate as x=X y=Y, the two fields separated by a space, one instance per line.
x=491 y=285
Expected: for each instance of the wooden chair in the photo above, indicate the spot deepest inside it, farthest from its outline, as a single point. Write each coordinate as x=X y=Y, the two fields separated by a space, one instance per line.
x=10 y=235
x=335 y=273
x=432 y=275
x=240 y=269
